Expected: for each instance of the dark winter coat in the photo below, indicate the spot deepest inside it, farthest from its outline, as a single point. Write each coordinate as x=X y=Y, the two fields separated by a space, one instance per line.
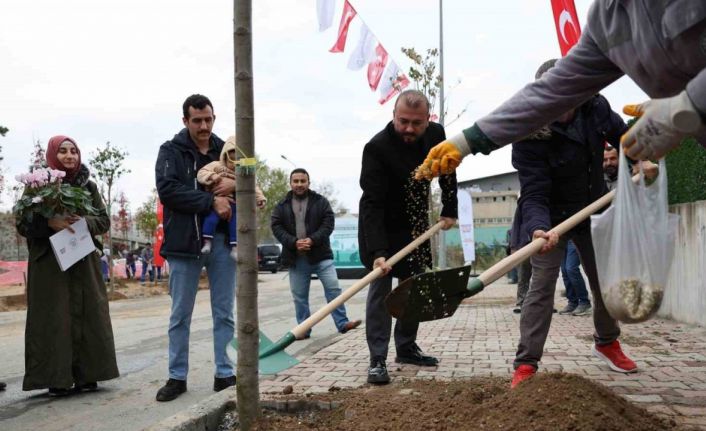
x=394 y=206
x=68 y=335
x=560 y=167
x=319 y=221
x=185 y=203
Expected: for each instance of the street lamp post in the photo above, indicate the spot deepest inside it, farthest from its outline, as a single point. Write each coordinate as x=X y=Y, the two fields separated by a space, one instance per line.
x=290 y=162
x=442 y=235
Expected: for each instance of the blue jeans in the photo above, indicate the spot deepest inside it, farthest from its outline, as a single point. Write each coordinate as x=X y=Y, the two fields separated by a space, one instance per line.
x=212 y=220
x=576 y=292
x=144 y=272
x=300 y=280
x=183 y=285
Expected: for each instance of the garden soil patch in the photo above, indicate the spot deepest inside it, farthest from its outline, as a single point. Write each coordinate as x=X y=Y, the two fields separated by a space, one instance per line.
x=549 y=401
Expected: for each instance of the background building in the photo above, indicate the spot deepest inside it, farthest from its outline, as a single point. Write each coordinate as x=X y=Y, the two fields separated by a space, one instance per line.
x=494 y=202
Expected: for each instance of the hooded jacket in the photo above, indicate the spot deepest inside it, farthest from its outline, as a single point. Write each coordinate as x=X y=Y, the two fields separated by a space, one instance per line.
x=185 y=203
x=560 y=168
x=208 y=174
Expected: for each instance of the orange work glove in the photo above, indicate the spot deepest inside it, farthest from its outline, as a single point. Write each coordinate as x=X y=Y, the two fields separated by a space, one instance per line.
x=443 y=159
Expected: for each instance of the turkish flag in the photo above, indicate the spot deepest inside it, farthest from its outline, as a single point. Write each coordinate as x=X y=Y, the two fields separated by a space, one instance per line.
x=376 y=67
x=159 y=235
x=346 y=18
x=568 y=29
x=392 y=83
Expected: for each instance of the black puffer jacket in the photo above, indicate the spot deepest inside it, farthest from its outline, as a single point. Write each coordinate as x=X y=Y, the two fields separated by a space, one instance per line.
x=561 y=168
x=319 y=221
x=185 y=203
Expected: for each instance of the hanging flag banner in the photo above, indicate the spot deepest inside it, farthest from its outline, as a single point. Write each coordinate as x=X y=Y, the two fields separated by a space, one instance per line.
x=364 y=51
x=465 y=224
x=376 y=67
x=566 y=20
x=393 y=81
x=348 y=15
x=367 y=51
x=324 y=11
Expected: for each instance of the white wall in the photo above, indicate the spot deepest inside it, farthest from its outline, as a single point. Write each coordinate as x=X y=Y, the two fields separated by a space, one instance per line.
x=685 y=294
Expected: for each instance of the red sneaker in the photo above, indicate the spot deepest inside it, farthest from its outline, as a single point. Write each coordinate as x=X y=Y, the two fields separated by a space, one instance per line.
x=613 y=355
x=523 y=372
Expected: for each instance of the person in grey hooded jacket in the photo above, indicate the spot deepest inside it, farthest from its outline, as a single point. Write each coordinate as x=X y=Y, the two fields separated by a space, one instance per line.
x=659 y=45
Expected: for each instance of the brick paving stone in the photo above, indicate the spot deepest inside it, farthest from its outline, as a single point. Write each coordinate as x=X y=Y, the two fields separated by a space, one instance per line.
x=690 y=411
x=481 y=340
x=644 y=398
x=678 y=385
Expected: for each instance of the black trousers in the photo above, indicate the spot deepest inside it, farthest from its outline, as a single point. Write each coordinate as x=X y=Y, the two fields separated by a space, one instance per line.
x=378 y=323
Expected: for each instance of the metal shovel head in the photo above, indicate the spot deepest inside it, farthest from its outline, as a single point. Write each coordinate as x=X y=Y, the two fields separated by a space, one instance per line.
x=273 y=363
x=429 y=296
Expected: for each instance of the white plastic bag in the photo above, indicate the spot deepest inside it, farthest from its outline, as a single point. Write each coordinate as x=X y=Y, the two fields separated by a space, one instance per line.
x=634 y=243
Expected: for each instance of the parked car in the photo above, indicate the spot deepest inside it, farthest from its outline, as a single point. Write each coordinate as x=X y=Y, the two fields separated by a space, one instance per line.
x=268 y=257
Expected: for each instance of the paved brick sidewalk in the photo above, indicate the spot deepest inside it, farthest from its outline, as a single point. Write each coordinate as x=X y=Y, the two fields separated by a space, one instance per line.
x=481 y=338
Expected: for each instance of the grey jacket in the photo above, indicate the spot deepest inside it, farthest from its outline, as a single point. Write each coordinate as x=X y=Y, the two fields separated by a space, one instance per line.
x=661 y=45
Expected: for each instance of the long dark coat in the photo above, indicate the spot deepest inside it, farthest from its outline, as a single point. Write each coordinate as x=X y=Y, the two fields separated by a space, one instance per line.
x=68 y=337
x=394 y=206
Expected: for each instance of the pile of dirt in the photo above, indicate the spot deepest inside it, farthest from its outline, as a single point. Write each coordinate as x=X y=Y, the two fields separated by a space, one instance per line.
x=549 y=401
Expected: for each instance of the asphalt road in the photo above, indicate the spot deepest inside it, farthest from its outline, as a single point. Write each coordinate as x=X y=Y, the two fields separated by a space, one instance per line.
x=140 y=329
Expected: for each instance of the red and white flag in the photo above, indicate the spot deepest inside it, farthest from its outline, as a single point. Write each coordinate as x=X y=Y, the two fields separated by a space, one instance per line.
x=348 y=15
x=324 y=11
x=376 y=67
x=159 y=235
x=364 y=51
x=393 y=81
x=568 y=29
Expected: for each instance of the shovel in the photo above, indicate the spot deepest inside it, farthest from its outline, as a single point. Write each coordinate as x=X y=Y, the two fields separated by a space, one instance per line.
x=436 y=295
x=274 y=359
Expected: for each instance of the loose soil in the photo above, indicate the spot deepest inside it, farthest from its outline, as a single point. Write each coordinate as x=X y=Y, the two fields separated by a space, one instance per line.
x=124 y=289
x=549 y=401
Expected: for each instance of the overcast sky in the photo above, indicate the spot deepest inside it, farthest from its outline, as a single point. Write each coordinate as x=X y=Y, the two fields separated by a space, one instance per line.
x=120 y=70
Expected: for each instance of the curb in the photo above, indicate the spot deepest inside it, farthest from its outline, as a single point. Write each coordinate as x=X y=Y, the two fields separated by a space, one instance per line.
x=208 y=414
x=205 y=415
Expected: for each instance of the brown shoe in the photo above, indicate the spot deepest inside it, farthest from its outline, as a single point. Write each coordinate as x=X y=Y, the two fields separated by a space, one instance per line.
x=352 y=324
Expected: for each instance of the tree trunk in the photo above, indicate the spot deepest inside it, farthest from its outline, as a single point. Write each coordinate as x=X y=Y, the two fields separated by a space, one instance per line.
x=248 y=389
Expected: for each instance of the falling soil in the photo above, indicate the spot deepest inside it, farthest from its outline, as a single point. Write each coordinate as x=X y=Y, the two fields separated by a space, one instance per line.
x=549 y=401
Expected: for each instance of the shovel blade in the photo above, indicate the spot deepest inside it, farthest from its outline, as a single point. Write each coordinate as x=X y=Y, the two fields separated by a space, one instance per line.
x=429 y=296
x=273 y=363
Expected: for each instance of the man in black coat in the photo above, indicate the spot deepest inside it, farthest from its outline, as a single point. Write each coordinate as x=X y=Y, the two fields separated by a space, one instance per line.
x=394 y=211
x=560 y=168
x=303 y=222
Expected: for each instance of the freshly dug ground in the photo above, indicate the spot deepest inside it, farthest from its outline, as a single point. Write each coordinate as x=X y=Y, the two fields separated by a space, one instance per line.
x=549 y=401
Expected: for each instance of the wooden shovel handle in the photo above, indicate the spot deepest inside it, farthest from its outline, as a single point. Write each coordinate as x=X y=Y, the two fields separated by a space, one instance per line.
x=324 y=311
x=504 y=266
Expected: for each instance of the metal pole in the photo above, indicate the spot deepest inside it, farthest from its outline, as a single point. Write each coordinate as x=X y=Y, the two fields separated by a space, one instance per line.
x=442 y=234
x=290 y=162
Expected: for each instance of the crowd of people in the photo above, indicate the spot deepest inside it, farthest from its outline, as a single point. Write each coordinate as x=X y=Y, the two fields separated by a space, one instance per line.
x=559 y=126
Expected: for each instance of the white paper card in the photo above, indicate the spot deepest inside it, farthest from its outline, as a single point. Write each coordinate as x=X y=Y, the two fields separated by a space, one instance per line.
x=69 y=247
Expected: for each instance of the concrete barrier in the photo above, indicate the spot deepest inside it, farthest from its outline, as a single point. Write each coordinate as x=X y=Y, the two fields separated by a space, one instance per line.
x=685 y=294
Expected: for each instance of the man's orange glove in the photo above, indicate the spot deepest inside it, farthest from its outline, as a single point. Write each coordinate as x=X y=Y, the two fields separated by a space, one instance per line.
x=443 y=159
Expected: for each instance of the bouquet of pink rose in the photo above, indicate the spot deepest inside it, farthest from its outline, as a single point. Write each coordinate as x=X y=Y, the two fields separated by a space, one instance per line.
x=45 y=194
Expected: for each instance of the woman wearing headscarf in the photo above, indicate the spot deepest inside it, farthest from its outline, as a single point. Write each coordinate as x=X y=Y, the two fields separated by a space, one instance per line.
x=68 y=339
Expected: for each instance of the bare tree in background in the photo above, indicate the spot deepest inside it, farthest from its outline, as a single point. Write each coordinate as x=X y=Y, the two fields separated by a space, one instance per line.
x=107 y=164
